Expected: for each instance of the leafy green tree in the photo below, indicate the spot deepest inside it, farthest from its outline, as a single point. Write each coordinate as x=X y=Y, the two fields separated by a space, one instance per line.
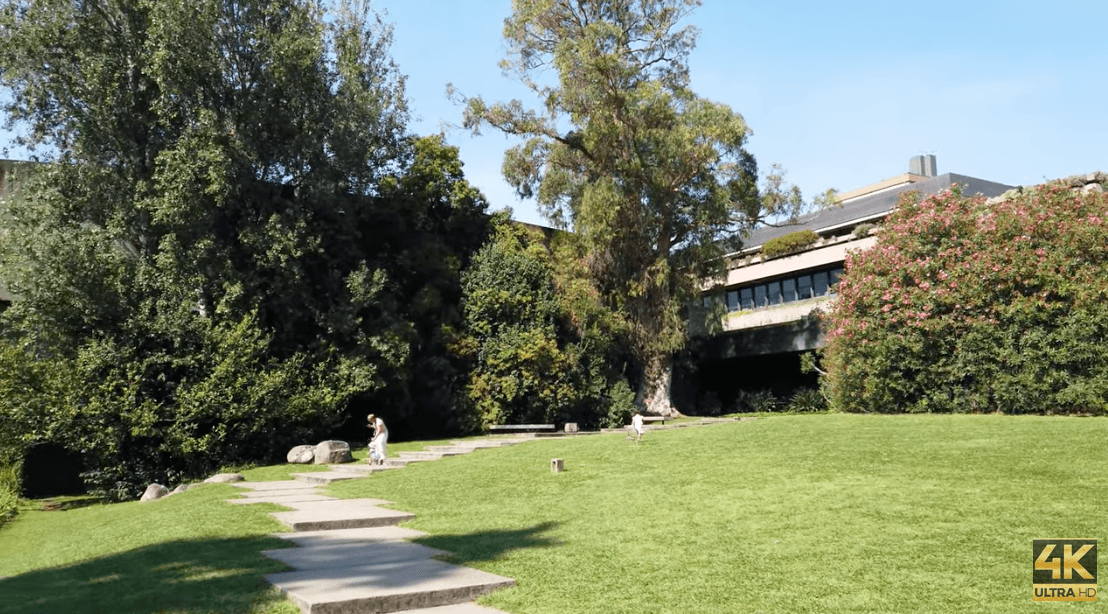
x=653 y=177
x=209 y=245
x=969 y=306
x=428 y=224
x=542 y=345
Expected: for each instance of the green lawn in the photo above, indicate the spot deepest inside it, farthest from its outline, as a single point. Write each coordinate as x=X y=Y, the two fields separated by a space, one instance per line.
x=823 y=513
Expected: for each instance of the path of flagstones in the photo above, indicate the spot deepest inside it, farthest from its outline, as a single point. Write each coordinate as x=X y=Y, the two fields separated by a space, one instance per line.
x=352 y=556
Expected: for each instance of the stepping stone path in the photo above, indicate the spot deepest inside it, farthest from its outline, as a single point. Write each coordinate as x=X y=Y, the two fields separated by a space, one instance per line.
x=353 y=559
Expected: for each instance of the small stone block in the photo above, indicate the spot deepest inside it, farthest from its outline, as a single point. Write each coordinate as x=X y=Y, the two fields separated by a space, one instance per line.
x=556 y=465
x=571 y=427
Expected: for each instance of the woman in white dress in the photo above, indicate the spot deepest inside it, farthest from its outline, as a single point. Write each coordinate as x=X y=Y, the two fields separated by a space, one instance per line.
x=380 y=438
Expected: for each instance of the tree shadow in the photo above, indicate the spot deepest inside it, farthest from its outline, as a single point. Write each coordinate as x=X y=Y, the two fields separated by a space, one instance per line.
x=491 y=545
x=184 y=577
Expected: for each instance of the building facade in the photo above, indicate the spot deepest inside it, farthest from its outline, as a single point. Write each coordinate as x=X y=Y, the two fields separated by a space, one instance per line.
x=772 y=300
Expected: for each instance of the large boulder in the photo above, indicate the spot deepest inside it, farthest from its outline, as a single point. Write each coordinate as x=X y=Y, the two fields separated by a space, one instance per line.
x=301 y=455
x=332 y=451
x=223 y=478
x=154 y=491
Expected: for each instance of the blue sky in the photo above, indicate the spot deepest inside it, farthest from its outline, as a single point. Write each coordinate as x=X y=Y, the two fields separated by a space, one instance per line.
x=841 y=94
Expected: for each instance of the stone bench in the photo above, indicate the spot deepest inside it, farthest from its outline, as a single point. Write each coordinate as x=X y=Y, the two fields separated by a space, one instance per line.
x=651 y=419
x=521 y=428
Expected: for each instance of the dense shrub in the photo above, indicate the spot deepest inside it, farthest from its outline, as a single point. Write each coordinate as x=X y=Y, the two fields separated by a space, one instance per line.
x=540 y=342
x=759 y=401
x=806 y=400
x=965 y=306
x=789 y=243
x=863 y=230
x=9 y=492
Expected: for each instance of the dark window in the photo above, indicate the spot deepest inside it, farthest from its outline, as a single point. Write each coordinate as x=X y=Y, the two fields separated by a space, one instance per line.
x=788 y=287
x=820 y=282
x=748 y=298
x=803 y=287
x=759 y=296
x=707 y=302
x=733 y=301
x=836 y=275
x=775 y=293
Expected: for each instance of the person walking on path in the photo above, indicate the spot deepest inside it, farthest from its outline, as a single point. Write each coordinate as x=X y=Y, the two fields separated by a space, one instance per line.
x=380 y=439
x=637 y=427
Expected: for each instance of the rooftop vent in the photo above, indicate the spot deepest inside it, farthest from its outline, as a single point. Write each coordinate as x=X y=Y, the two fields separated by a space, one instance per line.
x=923 y=165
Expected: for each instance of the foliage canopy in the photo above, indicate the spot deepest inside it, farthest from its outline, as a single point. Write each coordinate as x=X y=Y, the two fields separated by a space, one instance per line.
x=653 y=177
x=543 y=347
x=235 y=237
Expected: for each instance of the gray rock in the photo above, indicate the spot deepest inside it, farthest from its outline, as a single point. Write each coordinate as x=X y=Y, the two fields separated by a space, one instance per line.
x=332 y=451
x=301 y=455
x=571 y=427
x=154 y=491
x=181 y=488
x=223 y=478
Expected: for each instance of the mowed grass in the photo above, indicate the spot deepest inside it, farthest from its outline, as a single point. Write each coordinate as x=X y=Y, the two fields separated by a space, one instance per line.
x=823 y=513
x=192 y=552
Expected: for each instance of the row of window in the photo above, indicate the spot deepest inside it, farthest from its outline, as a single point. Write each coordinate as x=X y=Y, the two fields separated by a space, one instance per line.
x=782 y=290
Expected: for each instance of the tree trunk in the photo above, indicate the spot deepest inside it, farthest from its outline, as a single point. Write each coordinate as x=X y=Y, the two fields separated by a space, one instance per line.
x=655 y=390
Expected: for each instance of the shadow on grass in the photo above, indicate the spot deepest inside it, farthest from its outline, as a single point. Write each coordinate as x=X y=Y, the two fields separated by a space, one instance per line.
x=490 y=545
x=61 y=504
x=192 y=576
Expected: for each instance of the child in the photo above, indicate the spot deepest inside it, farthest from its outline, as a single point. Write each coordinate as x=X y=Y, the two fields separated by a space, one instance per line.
x=637 y=427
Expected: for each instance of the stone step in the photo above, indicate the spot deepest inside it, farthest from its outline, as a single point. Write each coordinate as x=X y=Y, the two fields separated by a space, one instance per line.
x=450 y=450
x=361 y=468
x=420 y=456
x=303 y=489
x=385 y=587
x=396 y=463
x=326 y=477
x=494 y=441
x=347 y=536
x=282 y=499
x=260 y=487
x=334 y=555
x=481 y=444
x=461 y=608
x=339 y=514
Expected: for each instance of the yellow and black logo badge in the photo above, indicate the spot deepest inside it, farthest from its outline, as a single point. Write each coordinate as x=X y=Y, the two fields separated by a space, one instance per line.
x=1065 y=569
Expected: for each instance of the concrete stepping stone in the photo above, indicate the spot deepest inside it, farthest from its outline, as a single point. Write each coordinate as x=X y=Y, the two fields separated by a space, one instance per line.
x=270 y=486
x=281 y=499
x=410 y=456
x=450 y=450
x=363 y=469
x=326 y=477
x=346 y=536
x=330 y=555
x=386 y=587
x=339 y=514
x=305 y=489
x=460 y=608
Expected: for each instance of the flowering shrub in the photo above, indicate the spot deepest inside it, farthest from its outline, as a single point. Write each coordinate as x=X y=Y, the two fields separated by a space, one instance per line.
x=789 y=243
x=963 y=306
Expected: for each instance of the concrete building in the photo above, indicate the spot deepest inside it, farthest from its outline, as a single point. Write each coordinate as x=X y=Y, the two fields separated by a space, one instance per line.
x=771 y=300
